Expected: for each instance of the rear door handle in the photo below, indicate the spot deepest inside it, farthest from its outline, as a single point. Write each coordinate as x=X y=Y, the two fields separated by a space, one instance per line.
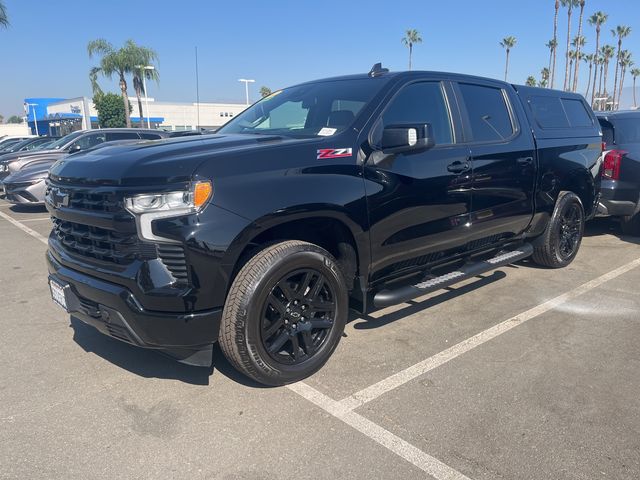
x=459 y=167
x=525 y=161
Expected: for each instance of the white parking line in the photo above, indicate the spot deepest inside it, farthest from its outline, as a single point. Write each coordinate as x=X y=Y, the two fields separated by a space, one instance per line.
x=41 y=219
x=375 y=432
x=394 y=381
x=24 y=228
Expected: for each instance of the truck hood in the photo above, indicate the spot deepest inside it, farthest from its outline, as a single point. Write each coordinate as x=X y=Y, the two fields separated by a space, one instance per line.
x=155 y=162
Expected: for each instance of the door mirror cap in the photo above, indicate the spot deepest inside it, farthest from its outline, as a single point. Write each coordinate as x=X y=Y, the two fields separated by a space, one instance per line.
x=74 y=148
x=406 y=138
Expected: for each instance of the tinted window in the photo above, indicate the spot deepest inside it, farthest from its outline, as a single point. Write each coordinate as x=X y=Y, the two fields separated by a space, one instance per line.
x=576 y=113
x=607 y=132
x=122 y=136
x=488 y=113
x=626 y=130
x=421 y=103
x=89 y=141
x=548 y=112
x=150 y=136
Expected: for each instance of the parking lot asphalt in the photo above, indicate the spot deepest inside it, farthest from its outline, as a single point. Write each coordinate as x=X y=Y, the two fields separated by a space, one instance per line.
x=525 y=373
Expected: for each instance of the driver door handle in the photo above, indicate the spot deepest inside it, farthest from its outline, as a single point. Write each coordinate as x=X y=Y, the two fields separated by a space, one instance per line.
x=459 y=167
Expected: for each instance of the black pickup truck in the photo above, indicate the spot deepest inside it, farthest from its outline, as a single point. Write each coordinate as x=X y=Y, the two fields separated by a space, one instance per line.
x=357 y=192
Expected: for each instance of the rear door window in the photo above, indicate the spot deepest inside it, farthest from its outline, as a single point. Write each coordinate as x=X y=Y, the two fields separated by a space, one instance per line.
x=576 y=113
x=488 y=112
x=548 y=112
x=122 y=136
x=420 y=103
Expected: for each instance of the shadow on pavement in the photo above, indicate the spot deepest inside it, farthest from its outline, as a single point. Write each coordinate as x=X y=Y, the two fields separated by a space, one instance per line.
x=607 y=226
x=152 y=364
x=413 y=307
x=28 y=208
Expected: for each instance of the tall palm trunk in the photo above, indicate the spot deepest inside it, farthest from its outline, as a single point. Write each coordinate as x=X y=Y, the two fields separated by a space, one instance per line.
x=139 y=97
x=506 y=67
x=578 y=46
x=566 y=56
x=570 y=72
x=550 y=58
x=555 y=42
x=593 y=94
x=410 y=54
x=600 y=81
x=615 y=79
x=586 y=94
x=125 y=99
x=623 y=72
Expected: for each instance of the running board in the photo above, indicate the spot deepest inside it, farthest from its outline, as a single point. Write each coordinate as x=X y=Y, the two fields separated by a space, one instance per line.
x=386 y=298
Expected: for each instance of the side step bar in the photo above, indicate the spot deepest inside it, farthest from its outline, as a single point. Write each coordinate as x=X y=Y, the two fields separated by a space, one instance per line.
x=386 y=298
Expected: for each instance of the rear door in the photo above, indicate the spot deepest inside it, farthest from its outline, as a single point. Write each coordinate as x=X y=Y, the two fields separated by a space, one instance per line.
x=419 y=202
x=504 y=163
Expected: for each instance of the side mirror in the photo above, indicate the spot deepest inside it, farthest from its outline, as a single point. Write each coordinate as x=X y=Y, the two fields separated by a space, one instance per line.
x=75 y=148
x=406 y=138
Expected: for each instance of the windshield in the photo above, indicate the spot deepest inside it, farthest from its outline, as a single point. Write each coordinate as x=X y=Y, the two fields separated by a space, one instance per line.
x=64 y=140
x=313 y=109
x=18 y=145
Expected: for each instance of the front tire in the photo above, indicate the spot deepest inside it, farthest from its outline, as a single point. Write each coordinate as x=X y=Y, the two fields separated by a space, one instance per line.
x=559 y=244
x=285 y=313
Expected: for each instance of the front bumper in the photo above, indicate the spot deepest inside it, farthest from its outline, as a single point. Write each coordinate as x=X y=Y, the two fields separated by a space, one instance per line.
x=115 y=311
x=24 y=193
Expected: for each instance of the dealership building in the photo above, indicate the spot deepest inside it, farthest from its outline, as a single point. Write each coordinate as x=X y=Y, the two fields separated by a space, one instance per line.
x=59 y=116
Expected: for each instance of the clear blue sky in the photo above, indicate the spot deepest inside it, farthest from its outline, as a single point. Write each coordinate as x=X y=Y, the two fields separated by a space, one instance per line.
x=279 y=43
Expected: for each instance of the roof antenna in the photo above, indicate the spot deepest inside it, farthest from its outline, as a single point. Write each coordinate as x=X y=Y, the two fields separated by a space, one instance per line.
x=377 y=70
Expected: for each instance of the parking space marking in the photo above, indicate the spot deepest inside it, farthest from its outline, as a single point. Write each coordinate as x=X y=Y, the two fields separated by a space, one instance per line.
x=24 y=228
x=375 y=432
x=41 y=219
x=394 y=381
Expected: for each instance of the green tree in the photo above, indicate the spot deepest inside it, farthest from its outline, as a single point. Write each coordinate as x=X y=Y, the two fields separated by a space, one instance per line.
x=554 y=47
x=1 y=118
x=111 y=110
x=4 y=18
x=621 y=31
x=544 y=78
x=635 y=73
x=607 y=52
x=265 y=91
x=142 y=57
x=507 y=43
x=531 y=81
x=411 y=37
x=14 y=119
x=625 y=62
x=568 y=4
x=119 y=62
x=597 y=20
x=578 y=45
x=589 y=61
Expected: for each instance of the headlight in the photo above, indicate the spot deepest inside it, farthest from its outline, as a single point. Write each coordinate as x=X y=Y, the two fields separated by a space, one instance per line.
x=177 y=202
x=153 y=206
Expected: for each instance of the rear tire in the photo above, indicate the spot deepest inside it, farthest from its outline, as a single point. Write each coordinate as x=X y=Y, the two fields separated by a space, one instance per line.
x=285 y=313
x=560 y=242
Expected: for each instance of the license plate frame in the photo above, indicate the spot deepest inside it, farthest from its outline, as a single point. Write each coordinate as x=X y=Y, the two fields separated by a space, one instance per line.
x=58 y=294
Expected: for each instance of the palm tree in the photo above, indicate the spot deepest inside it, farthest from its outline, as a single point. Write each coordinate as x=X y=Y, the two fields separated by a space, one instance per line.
x=573 y=58
x=589 y=61
x=265 y=91
x=620 y=31
x=508 y=43
x=569 y=4
x=597 y=19
x=625 y=62
x=601 y=63
x=113 y=61
x=635 y=73
x=555 y=42
x=142 y=57
x=544 y=78
x=4 y=19
x=531 y=81
x=607 y=52
x=578 y=42
x=578 y=45
x=411 y=37
x=551 y=45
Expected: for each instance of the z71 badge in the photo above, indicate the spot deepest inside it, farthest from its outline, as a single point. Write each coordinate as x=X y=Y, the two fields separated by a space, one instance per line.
x=334 y=153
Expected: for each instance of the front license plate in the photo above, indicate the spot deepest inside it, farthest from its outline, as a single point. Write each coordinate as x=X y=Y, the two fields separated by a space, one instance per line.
x=57 y=293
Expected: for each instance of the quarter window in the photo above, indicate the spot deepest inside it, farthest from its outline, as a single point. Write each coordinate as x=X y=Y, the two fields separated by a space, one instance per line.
x=421 y=103
x=488 y=113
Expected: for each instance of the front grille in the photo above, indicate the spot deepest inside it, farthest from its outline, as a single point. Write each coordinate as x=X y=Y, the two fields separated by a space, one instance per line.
x=172 y=256
x=101 y=244
x=87 y=200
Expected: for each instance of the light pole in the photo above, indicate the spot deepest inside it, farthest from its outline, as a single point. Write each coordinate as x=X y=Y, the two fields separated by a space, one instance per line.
x=35 y=119
x=144 y=86
x=246 y=81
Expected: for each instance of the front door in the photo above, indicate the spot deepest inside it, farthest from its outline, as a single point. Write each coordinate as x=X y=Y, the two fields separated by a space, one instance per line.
x=419 y=202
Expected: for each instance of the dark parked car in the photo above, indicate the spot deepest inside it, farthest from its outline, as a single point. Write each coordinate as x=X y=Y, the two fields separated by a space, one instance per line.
x=74 y=142
x=621 y=173
x=361 y=191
